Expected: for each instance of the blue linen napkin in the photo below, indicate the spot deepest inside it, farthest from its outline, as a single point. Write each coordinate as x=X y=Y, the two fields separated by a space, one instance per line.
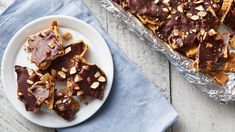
x=134 y=104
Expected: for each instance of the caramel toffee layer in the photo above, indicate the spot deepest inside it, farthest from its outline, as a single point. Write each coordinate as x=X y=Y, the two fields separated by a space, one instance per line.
x=65 y=105
x=189 y=27
x=45 y=47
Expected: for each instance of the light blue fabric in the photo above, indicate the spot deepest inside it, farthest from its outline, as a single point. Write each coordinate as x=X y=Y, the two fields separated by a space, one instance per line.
x=134 y=104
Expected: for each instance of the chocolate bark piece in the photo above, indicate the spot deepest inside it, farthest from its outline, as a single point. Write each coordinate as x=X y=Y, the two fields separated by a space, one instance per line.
x=60 y=66
x=211 y=51
x=86 y=79
x=65 y=105
x=45 y=47
x=34 y=89
x=24 y=96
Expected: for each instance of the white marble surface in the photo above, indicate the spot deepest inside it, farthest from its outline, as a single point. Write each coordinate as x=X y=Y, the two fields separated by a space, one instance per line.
x=197 y=112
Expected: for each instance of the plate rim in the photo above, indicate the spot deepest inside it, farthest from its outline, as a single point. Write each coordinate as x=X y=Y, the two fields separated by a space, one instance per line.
x=7 y=49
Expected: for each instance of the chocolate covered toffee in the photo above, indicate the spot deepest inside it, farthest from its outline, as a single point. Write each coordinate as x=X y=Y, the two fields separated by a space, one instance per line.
x=191 y=28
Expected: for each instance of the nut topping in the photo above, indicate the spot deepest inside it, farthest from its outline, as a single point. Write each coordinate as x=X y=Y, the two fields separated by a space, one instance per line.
x=95 y=85
x=62 y=74
x=19 y=93
x=85 y=67
x=79 y=93
x=77 y=78
x=58 y=102
x=30 y=71
x=67 y=36
x=67 y=50
x=180 y=8
x=97 y=74
x=29 y=81
x=212 y=32
x=195 y=17
x=73 y=70
x=101 y=79
x=64 y=69
x=202 y=13
x=200 y=8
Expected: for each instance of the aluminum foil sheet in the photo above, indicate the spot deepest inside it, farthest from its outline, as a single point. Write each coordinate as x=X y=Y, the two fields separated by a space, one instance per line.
x=223 y=94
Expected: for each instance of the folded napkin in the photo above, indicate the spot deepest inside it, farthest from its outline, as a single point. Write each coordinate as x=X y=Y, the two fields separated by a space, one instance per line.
x=134 y=104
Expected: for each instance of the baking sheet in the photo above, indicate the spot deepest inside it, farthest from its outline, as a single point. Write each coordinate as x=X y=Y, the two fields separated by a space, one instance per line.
x=223 y=94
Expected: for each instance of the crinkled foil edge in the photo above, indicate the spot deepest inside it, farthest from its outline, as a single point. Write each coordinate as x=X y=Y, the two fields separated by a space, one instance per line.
x=223 y=94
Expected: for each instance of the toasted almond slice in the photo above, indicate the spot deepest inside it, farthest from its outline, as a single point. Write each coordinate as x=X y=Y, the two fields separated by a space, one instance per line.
x=62 y=74
x=53 y=72
x=199 y=8
x=64 y=69
x=73 y=70
x=77 y=78
x=194 y=17
x=67 y=50
x=79 y=93
x=67 y=36
x=180 y=8
x=86 y=67
x=97 y=74
x=19 y=93
x=211 y=32
x=95 y=85
x=77 y=88
x=29 y=81
x=202 y=13
x=101 y=79
x=30 y=71
x=156 y=1
x=58 y=102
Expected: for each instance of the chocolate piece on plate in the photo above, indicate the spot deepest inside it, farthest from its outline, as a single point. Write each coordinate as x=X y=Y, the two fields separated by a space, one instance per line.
x=211 y=51
x=45 y=47
x=60 y=66
x=64 y=104
x=86 y=79
x=33 y=88
x=29 y=100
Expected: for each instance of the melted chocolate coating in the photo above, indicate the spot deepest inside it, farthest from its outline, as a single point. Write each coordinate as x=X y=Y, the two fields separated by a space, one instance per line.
x=29 y=100
x=65 y=105
x=45 y=48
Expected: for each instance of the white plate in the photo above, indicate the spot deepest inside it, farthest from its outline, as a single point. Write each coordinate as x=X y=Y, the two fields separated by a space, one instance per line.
x=98 y=52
